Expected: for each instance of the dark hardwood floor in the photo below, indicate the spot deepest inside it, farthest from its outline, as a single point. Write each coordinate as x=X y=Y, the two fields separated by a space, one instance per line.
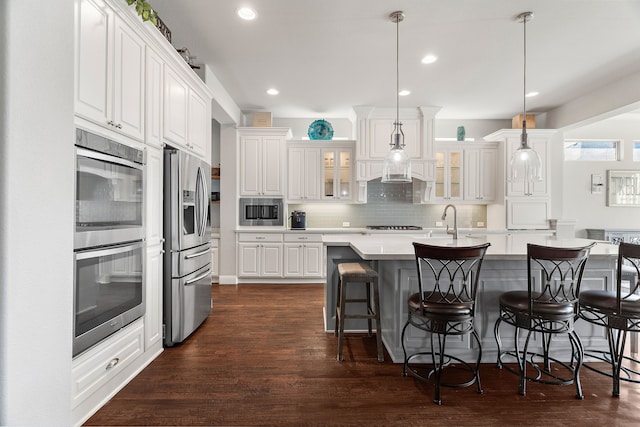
x=262 y=359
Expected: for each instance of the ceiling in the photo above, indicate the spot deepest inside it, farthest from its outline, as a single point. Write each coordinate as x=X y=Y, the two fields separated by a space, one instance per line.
x=325 y=56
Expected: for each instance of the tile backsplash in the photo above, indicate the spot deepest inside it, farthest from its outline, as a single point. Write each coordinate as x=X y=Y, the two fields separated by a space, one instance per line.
x=388 y=204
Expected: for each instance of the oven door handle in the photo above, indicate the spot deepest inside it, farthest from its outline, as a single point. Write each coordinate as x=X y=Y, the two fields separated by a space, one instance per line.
x=200 y=277
x=107 y=158
x=113 y=250
x=197 y=254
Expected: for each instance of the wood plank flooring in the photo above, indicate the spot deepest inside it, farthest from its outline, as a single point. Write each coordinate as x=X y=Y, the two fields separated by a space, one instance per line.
x=262 y=359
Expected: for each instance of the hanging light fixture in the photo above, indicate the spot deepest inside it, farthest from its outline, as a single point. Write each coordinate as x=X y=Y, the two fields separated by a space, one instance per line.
x=525 y=163
x=397 y=166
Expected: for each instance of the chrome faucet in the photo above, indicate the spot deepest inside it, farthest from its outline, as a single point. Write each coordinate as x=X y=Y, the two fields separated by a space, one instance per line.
x=453 y=232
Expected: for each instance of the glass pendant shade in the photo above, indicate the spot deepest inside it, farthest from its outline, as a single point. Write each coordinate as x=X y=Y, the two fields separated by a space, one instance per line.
x=397 y=166
x=525 y=164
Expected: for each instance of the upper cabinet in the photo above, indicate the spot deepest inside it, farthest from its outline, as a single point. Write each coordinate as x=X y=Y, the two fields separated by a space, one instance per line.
x=480 y=173
x=449 y=169
x=187 y=116
x=110 y=70
x=528 y=204
x=320 y=171
x=262 y=154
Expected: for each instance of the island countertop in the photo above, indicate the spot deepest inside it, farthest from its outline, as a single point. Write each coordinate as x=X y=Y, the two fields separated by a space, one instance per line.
x=503 y=246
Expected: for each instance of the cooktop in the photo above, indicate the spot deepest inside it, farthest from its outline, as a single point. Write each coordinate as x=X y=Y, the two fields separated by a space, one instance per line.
x=394 y=227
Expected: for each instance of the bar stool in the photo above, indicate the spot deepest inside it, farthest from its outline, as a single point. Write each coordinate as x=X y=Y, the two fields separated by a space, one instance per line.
x=356 y=272
x=617 y=310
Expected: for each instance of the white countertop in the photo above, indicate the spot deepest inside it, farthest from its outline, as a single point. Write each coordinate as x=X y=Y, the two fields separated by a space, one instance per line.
x=504 y=246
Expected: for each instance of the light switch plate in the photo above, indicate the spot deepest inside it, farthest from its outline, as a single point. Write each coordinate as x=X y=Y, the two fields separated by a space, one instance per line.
x=439 y=224
x=480 y=224
x=346 y=224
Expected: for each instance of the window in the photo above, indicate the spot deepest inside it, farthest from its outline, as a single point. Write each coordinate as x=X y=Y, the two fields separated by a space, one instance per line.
x=592 y=150
x=636 y=151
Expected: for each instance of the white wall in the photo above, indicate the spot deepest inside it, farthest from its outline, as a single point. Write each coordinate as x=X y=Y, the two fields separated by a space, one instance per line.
x=36 y=211
x=590 y=210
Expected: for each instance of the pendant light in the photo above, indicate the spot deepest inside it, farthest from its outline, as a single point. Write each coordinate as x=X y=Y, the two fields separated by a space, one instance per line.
x=397 y=166
x=525 y=164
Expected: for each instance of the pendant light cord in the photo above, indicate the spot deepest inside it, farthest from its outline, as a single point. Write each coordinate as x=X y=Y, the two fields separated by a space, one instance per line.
x=397 y=69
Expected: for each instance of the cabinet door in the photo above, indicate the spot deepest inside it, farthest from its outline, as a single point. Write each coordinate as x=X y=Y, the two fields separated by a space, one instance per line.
x=153 y=295
x=271 y=259
x=272 y=154
x=129 y=60
x=94 y=54
x=215 y=258
x=313 y=265
x=153 y=194
x=176 y=98
x=248 y=259
x=250 y=166
x=293 y=260
x=527 y=213
x=480 y=166
x=449 y=173
x=199 y=125
x=304 y=174
x=153 y=118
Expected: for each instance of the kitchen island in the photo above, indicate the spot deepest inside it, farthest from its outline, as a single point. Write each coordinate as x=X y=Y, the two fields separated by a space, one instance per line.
x=504 y=269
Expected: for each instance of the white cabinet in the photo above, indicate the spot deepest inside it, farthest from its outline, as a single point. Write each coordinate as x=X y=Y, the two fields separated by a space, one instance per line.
x=215 y=259
x=304 y=173
x=187 y=116
x=153 y=195
x=110 y=70
x=262 y=151
x=480 y=172
x=303 y=256
x=153 y=298
x=337 y=173
x=154 y=94
x=260 y=255
x=449 y=172
x=105 y=361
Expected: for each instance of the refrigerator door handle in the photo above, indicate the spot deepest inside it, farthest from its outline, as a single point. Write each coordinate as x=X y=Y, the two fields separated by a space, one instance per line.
x=197 y=254
x=200 y=277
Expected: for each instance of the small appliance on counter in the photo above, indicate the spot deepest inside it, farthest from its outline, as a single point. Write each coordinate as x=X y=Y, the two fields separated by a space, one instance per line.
x=298 y=220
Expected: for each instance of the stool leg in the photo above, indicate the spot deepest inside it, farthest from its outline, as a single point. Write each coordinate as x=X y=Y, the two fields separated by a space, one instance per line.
x=369 y=309
x=376 y=302
x=341 y=317
x=337 y=322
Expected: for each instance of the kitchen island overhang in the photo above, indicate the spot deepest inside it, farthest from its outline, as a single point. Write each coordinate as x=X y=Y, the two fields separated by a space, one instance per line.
x=504 y=269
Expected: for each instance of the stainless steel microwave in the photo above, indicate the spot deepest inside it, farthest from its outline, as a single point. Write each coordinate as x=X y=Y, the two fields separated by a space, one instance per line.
x=261 y=212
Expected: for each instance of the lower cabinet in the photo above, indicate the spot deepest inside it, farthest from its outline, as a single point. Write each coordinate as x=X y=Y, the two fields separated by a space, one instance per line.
x=153 y=301
x=280 y=255
x=303 y=255
x=260 y=255
x=215 y=259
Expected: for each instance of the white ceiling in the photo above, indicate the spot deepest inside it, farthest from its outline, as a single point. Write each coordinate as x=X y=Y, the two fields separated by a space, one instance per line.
x=325 y=56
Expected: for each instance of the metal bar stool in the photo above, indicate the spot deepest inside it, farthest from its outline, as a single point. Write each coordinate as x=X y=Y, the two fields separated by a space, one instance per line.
x=356 y=272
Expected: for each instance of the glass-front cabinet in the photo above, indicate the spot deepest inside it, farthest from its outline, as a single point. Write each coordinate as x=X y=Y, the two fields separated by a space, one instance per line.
x=448 y=182
x=337 y=174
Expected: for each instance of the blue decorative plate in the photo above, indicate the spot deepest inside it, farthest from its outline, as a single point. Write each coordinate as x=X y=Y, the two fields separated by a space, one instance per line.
x=320 y=130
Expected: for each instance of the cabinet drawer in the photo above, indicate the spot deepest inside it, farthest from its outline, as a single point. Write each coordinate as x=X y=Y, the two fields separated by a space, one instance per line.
x=260 y=237
x=308 y=237
x=93 y=369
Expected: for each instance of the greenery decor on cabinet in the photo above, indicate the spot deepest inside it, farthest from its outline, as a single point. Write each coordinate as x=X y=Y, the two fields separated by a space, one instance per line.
x=144 y=10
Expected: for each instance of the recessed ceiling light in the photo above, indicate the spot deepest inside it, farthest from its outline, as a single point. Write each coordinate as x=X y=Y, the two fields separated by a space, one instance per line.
x=273 y=91
x=429 y=59
x=530 y=94
x=247 y=13
x=404 y=92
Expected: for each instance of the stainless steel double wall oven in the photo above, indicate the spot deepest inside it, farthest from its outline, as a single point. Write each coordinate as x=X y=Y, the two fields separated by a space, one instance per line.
x=109 y=238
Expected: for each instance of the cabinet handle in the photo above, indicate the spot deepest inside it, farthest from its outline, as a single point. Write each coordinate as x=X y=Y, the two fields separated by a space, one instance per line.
x=260 y=238
x=111 y=123
x=112 y=364
x=118 y=126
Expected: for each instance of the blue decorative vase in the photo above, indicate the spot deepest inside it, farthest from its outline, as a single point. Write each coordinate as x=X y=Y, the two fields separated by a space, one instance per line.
x=461 y=133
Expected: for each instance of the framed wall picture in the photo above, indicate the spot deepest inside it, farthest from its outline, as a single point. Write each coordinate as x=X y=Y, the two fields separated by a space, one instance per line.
x=623 y=188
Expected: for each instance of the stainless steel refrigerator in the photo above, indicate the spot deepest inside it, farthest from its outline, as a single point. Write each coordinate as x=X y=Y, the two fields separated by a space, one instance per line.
x=187 y=233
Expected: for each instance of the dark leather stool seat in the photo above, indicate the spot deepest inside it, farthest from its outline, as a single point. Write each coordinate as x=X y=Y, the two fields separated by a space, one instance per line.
x=356 y=272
